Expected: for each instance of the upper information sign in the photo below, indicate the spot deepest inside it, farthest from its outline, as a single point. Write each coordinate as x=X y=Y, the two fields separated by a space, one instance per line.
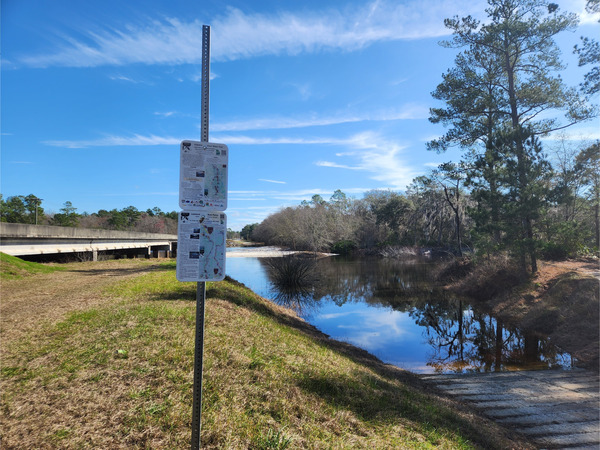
x=203 y=176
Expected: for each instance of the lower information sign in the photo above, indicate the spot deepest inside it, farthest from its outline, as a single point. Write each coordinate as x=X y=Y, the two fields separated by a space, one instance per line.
x=201 y=246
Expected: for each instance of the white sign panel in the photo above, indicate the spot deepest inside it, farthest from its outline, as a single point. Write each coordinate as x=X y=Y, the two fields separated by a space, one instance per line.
x=203 y=176
x=201 y=246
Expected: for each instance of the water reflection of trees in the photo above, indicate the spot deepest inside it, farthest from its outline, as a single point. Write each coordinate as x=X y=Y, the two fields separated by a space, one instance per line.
x=463 y=339
x=376 y=281
x=460 y=338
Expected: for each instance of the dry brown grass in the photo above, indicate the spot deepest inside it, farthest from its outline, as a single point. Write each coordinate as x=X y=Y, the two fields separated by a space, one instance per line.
x=483 y=280
x=37 y=298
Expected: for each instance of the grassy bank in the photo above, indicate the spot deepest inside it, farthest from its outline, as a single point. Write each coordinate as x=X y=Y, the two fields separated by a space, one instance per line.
x=120 y=376
x=12 y=268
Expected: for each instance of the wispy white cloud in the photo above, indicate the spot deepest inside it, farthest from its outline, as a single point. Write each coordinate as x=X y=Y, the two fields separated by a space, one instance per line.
x=140 y=194
x=368 y=151
x=198 y=76
x=398 y=81
x=378 y=155
x=292 y=195
x=123 y=78
x=272 y=181
x=581 y=133
x=431 y=137
x=115 y=141
x=339 y=166
x=240 y=216
x=579 y=7
x=589 y=19
x=407 y=112
x=304 y=90
x=237 y=218
x=240 y=35
x=249 y=140
x=165 y=114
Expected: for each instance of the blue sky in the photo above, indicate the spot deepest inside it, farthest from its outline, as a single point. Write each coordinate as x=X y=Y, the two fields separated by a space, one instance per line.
x=310 y=97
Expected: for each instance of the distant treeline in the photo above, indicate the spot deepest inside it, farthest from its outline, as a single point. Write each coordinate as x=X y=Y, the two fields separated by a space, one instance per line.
x=451 y=208
x=28 y=209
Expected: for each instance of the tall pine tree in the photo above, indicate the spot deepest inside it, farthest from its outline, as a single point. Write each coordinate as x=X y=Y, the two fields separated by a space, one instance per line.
x=504 y=81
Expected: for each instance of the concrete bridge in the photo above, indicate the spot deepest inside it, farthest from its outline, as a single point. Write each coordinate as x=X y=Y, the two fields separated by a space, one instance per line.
x=24 y=240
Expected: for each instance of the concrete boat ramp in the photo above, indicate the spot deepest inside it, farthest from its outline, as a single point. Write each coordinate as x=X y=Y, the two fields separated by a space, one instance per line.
x=553 y=409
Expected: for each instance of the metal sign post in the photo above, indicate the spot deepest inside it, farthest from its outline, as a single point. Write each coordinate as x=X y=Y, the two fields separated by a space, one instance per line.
x=198 y=365
x=201 y=286
x=202 y=224
x=205 y=81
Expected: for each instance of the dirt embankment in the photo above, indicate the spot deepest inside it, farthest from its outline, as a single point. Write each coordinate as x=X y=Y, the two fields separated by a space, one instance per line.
x=562 y=300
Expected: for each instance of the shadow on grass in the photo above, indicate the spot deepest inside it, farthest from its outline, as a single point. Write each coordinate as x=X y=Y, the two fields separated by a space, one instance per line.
x=238 y=294
x=381 y=402
x=181 y=294
x=369 y=398
x=89 y=270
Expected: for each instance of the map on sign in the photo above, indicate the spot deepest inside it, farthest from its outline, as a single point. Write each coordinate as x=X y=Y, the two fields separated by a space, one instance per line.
x=203 y=176
x=201 y=246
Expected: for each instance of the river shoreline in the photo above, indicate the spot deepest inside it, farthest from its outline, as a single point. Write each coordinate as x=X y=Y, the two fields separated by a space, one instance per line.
x=560 y=301
x=270 y=252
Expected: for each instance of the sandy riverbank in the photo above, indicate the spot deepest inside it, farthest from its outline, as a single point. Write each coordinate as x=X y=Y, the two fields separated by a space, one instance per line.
x=265 y=252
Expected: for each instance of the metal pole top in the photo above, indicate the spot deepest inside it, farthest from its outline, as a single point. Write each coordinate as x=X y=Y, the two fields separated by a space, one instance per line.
x=205 y=82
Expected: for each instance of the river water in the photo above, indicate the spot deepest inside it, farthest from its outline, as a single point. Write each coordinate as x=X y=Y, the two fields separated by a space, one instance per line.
x=392 y=309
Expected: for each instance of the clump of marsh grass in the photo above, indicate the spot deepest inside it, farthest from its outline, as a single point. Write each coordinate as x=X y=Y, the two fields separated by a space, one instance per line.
x=293 y=279
x=290 y=273
x=273 y=439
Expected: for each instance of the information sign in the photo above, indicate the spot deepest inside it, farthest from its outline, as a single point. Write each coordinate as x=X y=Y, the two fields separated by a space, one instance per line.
x=203 y=176
x=201 y=246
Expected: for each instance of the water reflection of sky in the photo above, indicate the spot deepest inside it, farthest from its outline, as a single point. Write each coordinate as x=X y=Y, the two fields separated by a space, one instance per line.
x=420 y=339
x=391 y=335
x=250 y=272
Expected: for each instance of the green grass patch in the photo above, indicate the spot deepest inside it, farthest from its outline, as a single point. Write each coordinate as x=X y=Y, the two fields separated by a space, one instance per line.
x=12 y=268
x=160 y=285
x=61 y=434
x=121 y=376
